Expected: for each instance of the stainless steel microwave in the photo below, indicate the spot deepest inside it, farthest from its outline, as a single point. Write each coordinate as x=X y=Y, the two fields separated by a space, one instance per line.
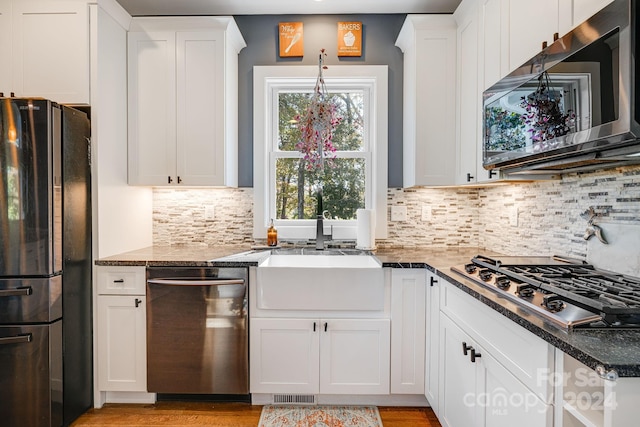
x=573 y=107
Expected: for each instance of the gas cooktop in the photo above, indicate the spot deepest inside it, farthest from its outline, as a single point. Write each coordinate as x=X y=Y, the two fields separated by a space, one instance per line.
x=567 y=292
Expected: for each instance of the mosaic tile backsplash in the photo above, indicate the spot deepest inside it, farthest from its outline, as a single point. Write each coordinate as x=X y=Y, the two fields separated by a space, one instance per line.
x=548 y=219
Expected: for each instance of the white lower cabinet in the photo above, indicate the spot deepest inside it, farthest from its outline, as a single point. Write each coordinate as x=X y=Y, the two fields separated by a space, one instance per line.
x=121 y=353
x=432 y=346
x=408 y=331
x=478 y=390
x=122 y=343
x=327 y=356
x=492 y=372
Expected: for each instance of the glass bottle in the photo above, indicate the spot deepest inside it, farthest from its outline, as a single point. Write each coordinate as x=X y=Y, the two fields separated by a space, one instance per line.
x=272 y=235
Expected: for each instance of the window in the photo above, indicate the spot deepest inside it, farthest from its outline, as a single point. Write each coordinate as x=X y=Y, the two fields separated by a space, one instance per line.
x=283 y=189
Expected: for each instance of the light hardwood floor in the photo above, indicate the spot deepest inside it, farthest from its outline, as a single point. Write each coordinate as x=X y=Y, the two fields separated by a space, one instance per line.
x=213 y=414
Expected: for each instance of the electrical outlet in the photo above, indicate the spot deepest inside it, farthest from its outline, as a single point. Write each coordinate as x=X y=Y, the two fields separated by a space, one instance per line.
x=513 y=216
x=209 y=213
x=426 y=213
x=398 y=213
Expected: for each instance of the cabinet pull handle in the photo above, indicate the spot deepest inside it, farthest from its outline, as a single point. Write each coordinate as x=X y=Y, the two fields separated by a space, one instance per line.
x=138 y=301
x=469 y=177
x=544 y=45
x=466 y=348
x=18 y=339
x=169 y=179
x=179 y=180
x=433 y=280
x=17 y=292
x=325 y=326
x=474 y=355
x=118 y=281
x=556 y=36
x=314 y=326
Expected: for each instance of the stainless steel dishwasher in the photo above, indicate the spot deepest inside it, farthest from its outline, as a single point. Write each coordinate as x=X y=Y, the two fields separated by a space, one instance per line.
x=197 y=332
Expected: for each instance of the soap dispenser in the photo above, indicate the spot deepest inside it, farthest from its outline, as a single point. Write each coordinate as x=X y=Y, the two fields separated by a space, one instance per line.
x=272 y=235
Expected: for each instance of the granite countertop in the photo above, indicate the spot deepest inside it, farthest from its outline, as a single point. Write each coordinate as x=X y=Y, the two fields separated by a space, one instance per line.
x=612 y=349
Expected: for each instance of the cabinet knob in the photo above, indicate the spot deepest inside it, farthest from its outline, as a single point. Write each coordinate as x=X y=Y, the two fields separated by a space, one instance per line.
x=474 y=355
x=556 y=36
x=433 y=280
x=466 y=348
x=469 y=177
x=544 y=45
x=138 y=301
x=492 y=173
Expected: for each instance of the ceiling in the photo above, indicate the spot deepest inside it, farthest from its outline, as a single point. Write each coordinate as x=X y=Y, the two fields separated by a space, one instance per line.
x=284 y=7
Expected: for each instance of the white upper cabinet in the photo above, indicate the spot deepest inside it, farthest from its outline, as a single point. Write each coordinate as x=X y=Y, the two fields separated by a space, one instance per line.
x=429 y=45
x=530 y=24
x=183 y=82
x=575 y=12
x=494 y=41
x=47 y=45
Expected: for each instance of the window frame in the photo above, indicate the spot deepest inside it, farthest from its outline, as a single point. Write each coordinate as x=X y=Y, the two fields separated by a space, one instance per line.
x=268 y=81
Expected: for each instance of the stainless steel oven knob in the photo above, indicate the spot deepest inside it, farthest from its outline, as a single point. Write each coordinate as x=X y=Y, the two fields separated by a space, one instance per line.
x=485 y=274
x=503 y=282
x=553 y=303
x=525 y=290
x=470 y=268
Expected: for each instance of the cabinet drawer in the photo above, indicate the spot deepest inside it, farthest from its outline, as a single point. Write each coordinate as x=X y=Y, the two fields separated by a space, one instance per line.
x=121 y=280
x=526 y=356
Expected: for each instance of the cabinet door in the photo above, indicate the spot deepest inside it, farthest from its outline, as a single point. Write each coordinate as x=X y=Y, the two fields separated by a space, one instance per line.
x=122 y=344
x=200 y=108
x=530 y=23
x=152 y=108
x=284 y=356
x=435 y=107
x=121 y=280
x=432 y=340
x=458 y=382
x=495 y=41
x=468 y=114
x=5 y=45
x=354 y=356
x=575 y=12
x=51 y=50
x=407 y=331
x=503 y=400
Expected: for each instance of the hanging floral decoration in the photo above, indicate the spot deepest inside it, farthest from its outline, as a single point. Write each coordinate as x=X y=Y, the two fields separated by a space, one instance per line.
x=544 y=115
x=317 y=125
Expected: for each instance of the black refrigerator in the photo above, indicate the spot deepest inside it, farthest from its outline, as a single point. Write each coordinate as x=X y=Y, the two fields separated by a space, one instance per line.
x=45 y=263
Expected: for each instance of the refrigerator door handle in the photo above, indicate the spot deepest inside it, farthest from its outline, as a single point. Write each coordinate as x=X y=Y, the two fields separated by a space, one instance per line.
x=18 y=339
x=16 y=292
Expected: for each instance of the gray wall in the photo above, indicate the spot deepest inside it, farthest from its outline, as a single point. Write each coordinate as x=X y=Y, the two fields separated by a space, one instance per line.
x=320 y=31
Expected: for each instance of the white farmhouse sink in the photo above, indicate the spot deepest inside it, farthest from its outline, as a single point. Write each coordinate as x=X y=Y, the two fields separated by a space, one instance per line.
x=320 y=282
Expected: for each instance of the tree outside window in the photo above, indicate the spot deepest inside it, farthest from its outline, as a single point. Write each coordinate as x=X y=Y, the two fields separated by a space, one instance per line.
x=342 y=180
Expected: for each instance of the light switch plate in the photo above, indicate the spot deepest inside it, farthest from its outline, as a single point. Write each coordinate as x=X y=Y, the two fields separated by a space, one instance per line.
x=209 y=213
x=513 y=216
x=426 y=213
x=398 y=213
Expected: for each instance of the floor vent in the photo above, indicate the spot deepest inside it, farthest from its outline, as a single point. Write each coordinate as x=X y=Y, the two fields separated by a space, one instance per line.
x=308 y=399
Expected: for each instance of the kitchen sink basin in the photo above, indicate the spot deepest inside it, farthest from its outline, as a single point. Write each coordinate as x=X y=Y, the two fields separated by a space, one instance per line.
x=320 y=282
x=322 y=261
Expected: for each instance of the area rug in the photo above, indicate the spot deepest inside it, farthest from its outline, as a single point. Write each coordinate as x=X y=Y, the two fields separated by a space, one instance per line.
x=320 y=416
